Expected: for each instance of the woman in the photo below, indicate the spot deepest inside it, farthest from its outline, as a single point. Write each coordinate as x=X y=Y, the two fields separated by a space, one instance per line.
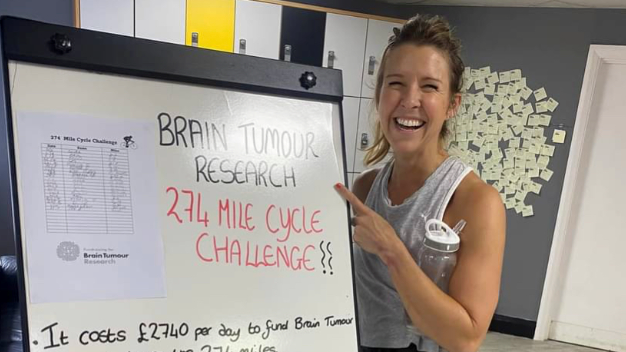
x=417 y=90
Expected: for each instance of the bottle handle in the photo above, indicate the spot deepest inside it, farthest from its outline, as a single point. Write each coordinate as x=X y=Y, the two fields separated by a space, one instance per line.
x=440 y=223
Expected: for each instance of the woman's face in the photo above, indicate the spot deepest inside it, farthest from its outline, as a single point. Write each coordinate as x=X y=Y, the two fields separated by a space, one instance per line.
x=414 y=98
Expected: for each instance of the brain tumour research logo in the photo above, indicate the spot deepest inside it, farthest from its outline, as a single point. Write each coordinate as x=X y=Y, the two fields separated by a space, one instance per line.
x=68 y=251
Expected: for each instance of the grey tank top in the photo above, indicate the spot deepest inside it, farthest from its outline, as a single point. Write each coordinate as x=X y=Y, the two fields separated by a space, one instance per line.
x=381 y=312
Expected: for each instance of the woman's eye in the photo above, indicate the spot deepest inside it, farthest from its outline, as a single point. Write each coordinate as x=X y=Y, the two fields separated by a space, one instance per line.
x=395 y=83
x=431 y=87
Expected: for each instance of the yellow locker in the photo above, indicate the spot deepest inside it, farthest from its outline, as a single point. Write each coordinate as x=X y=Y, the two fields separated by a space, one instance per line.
x=211 y=24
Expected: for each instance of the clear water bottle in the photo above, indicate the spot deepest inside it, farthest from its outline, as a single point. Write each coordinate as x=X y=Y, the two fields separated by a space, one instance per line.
x=437 y=257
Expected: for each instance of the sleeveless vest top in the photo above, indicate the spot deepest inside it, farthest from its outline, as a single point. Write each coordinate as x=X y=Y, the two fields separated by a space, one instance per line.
x=381 y=313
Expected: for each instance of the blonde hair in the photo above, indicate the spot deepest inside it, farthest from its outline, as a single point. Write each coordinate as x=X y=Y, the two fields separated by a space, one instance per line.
x=421 y=30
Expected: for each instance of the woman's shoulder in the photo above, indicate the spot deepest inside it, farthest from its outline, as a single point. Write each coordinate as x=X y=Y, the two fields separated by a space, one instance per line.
x=474 y=197
x=363 y=183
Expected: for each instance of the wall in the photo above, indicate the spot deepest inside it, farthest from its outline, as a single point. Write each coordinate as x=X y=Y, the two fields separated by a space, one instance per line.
x=53 y=11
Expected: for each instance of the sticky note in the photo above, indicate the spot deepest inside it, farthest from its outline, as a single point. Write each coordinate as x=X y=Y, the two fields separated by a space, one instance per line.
x=543 y=161
x=541 y=107
x=526 y=92
x=535 y=188
x=505 y=77
x=523 y=119
x=517 y=108
x=490 y=89
x=519 y=207
x=480 y=84
x=552 y=104
x=484 y=71
x=528 y=109
x=510 y=203
x=540 y=94
x=528 y=211
x=526 y=143
x=493 y=78
x=506 y=104
x=547 y=174
x=558 y=136
x=544 y=120
x=547 y=150
x=516 y=75
x=517 y=129
x=535 y=148
x=514 y=143
x=538 y=132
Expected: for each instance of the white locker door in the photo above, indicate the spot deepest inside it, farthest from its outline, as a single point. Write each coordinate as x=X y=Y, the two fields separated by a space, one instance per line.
x=257 y=28
x=378 y=34
x=365 y=132
x=365 y=135
x=350 y=123
x=162 y=20
x=345 y=39
x=113 y=16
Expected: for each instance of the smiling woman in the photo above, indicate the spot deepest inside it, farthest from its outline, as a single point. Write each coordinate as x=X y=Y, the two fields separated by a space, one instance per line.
x=400 y=308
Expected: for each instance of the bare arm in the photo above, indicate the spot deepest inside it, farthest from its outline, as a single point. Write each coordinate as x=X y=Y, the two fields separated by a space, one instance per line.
x=457 y=321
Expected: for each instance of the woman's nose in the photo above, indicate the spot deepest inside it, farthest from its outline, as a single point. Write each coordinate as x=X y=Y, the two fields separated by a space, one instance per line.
x=411 y=98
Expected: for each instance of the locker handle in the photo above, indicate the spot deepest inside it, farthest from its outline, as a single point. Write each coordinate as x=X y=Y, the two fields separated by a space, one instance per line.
x=242 y=46
x=194 y=39
x=372 y=65
x=331 y=59
x=364 y=141
x=287 y=52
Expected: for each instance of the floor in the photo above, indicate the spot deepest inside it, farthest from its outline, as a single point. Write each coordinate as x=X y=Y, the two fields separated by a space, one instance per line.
x=506 y=343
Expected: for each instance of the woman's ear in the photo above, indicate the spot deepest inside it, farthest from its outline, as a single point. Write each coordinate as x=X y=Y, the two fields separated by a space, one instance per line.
x=454 y=105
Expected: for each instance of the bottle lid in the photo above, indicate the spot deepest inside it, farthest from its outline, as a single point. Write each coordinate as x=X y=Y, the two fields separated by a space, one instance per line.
x=440 y=237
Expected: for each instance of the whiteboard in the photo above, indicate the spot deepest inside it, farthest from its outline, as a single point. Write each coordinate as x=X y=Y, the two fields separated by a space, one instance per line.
x=287 y=283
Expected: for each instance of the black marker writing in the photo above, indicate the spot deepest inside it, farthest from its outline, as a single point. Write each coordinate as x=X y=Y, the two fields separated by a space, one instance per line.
x=52 y=342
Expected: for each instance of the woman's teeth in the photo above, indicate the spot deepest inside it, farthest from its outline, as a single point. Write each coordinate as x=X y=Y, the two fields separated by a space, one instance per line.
x=409 y=123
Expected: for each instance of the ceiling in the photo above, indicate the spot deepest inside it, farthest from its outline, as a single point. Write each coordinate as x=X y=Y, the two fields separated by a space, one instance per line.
x=613 y=4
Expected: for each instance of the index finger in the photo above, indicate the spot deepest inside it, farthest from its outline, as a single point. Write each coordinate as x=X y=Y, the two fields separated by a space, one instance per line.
x=357 y=205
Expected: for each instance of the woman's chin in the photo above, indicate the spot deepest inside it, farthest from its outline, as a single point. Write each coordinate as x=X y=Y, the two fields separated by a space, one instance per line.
x=405 y=148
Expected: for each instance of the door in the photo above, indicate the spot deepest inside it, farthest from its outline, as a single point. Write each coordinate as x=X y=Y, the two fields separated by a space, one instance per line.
x=257 y=28
x=303 y=32
x=162 y=20
x=210 y=24
x=378 y=34
x=589 y=302
x=344 y=47
x=112 y=16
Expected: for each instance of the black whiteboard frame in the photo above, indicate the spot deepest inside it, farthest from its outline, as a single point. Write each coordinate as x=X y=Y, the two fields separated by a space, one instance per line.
x=31 y=42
